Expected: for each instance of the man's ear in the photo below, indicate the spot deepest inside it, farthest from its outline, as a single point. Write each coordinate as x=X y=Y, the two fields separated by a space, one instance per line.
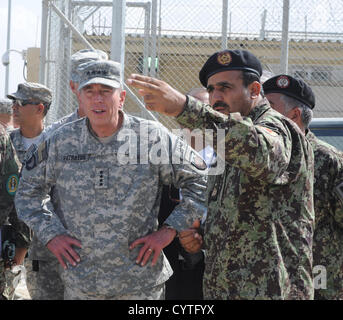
x=255 y=89
x=40 y=108
x=72 y=86
x=295 y=114
x=122 y=98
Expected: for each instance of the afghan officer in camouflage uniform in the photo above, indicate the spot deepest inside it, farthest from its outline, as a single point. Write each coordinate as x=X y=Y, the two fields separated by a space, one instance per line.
x=9 y=168
x=295 y=99
x=259 y=227
x=108 y=170
x=79 y=57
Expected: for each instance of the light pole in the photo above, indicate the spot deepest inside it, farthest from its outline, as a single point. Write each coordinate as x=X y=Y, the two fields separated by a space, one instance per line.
x=6 y=62
x=8 y=45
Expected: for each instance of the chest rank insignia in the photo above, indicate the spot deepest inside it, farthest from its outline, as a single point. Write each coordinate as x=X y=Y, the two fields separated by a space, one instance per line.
x=12 y=184
x=283 y=82
x=101 y=178
x=224 y=58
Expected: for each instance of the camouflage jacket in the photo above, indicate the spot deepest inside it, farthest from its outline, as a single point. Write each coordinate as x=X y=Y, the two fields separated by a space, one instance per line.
x=37 y=250
x=328 y=205
x=109 y=195
x=9 y=167
x=260 y=220
x=17 y=140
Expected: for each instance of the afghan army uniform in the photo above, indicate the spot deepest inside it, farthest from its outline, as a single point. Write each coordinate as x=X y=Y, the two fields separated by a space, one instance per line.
x=328 y=203
x=328 y=195
x=109 y=196
x=9 y=167
x=259 y=227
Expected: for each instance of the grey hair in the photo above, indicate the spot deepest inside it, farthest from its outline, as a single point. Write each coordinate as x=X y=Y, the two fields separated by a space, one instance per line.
x=306 y=112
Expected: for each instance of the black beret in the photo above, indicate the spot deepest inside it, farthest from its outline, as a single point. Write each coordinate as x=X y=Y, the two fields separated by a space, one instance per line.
x=289 y=86
x=229 y=60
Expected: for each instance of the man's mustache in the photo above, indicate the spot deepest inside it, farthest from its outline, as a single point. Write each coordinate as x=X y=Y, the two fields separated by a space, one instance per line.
x=220 y=104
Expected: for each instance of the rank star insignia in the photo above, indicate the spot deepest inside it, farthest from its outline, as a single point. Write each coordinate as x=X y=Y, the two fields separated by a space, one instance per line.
x=224 y=58
x=282 y=82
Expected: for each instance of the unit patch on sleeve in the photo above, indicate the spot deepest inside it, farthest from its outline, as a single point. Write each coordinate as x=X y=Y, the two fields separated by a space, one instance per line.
x=12 y=184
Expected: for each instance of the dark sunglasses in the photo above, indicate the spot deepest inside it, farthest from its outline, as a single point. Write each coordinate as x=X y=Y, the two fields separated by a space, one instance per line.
x=22 y=103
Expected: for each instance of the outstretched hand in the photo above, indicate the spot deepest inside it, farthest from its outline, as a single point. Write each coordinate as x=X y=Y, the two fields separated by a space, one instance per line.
x=158 y=95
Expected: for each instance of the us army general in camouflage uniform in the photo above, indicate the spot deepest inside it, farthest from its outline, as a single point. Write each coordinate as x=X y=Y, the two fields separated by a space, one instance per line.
x=109 y=187
x=9 y=167
x=295 y=99
x=43 y=280
x=259 y=226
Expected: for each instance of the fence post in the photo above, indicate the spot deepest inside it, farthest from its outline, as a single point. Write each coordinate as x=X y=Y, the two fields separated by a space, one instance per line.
x=153 y=37
x=118 y=33
x=43 y=41
x=284 y=44
x=147 y=16
x=224 y=24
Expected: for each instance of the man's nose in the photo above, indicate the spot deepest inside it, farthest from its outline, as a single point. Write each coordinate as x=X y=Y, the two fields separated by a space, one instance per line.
x=98 y=96
x=217 y=95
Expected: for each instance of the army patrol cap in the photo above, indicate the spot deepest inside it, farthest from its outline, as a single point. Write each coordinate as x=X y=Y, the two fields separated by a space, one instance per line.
x=100 y=72
x=289 y=86
x=6 y=106
x=229 y=60
x=33 y=92
x=83 y=56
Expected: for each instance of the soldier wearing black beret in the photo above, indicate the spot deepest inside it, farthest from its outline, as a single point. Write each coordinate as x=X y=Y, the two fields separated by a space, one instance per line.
x=230 y=60
x=292 y=87
x=295 y=99
x=260 y=217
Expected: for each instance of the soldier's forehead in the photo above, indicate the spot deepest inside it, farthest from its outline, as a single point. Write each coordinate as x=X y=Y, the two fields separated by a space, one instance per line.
x=92 y=85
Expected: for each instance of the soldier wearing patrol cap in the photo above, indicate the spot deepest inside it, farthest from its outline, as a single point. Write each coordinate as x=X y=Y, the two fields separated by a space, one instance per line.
x=78 y=58
x=295 y=99
x=6 y=118
x=109 y=194
x=259 y=226
x=31 y=103
x=43 y=276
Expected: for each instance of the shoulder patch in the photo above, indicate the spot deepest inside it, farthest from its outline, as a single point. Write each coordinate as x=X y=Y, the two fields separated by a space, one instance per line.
x=12 y=184
x=267 y=130
x=36 y=155
x=197 y=161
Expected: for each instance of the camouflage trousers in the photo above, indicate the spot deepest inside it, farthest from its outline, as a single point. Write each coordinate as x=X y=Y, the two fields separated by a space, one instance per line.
x=155 y=293
x=43 y=281
x=7 y=282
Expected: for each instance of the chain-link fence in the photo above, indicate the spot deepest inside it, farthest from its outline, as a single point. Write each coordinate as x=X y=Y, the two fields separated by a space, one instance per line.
x=171 y=39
